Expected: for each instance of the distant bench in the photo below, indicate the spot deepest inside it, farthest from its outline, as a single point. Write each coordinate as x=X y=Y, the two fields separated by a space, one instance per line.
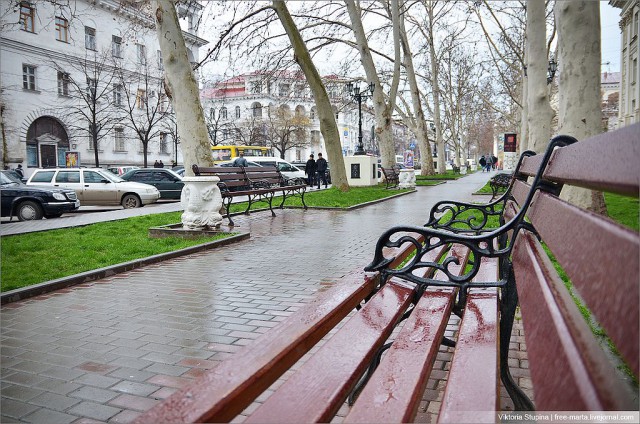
x=258 y=184
x=456 y=265
x=498 y=182
x=391 y=176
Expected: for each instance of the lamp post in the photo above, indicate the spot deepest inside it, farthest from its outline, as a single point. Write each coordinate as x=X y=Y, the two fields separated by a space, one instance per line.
x=551 y=69
x=359 y=95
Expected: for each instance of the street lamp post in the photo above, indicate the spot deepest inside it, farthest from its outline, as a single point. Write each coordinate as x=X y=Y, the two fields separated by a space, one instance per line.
x=360 y=95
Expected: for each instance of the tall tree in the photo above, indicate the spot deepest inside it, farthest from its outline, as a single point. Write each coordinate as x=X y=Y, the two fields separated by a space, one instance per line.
x=579 y=112
x=146 y=105
x=384 y=107
x=426 y=162
x=86 y=87
x=182 y=88
x=328 y=125
x=286 y=130
x=539 y=111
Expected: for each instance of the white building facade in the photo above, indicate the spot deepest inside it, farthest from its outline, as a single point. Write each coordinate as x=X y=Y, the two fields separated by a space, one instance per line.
x=240 y=111
x=629 y=107
x=85 y=71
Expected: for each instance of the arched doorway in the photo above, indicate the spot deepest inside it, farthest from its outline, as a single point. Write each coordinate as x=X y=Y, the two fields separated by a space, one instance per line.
x=47 y=143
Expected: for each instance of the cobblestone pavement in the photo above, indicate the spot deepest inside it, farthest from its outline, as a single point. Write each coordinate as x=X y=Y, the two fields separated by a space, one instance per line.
x=111 y=349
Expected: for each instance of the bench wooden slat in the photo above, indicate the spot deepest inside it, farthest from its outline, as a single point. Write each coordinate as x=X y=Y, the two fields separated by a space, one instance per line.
x=576 y=368
x=520 y=191
x=224 y=391
x=602 y=162
x=317 y=390
x=583 y=242
x=394 y=392
x=473 y=382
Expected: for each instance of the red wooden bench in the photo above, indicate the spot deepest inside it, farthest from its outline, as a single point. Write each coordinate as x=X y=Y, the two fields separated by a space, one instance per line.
x=404 y=303
x=257 y=184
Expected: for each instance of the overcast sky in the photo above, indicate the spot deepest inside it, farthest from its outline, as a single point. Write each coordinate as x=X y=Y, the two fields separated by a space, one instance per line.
x=609 y=19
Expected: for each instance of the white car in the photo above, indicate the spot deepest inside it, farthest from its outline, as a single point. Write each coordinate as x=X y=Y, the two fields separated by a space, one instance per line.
x=286 y=169
x=97 y=187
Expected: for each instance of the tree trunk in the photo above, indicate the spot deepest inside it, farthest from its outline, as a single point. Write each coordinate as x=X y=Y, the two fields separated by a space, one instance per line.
x=579 y=84
x=437 y=120
x=382 y=111
x=182 y=88
x=328 y=125
x=524 y=116
x=540 y=113
x=426 y=161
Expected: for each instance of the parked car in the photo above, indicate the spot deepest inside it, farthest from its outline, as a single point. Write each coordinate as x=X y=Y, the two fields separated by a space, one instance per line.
x=121 y=170
x=97 y=187
x=165 y=180
x=288 y=170
x=178 y=170
x=230 y=163
x=29 y=203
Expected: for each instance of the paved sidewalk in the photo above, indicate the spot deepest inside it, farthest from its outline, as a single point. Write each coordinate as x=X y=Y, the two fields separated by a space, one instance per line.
x=110 y=349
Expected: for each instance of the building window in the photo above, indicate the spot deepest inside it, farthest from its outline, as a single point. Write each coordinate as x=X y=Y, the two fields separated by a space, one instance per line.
x=160 y=63
x=141 y=99
x=63 y=83
x=141 y=54
x=117 y=95
x=635 y=71
x=237 y=112
x=164 y=145
x=635 y=24
x=27 y=15
x=118 y=134
x=257 y=110
x=162 y=103
x=29 y=77
x=256 y=87
x=62 y=29
x=223 y=113
x=92 y=88
x=225 y=134
x=284 y=90
x=212 y=114
x=90 y=38
x=116 y=46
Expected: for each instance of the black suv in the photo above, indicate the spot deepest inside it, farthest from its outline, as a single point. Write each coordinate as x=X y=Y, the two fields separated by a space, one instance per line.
x=30 y=202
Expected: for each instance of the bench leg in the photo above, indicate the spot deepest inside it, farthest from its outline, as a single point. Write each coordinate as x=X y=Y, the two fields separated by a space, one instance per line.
x=353 y=396
x=226 y=202
x=304 y=205
x=270 y=196
x=508 y=304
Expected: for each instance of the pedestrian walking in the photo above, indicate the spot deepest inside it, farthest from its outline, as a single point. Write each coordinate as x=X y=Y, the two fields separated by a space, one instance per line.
x=240 y=160
x=494 y=161
x=160 y=164
x=488 y=163
x=321 y=170
x=156 y=164
x=310 y=170
x=483 y=163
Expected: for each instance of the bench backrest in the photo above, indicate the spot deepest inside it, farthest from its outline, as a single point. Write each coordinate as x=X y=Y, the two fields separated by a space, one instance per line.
x=601 y=260
x=231 y=178
x=267 y=175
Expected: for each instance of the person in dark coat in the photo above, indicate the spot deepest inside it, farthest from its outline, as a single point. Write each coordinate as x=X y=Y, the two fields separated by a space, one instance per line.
x=494 y=161
x=310 y=170
x=321 y=170
x=19 y=171
x=483 y=163
x=156 y=164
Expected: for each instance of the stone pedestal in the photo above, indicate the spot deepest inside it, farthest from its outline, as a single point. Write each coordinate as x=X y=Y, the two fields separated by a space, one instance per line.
x=361 y=170
x=463 y=170
x=201 y=201
x=510 y=161
x=407 y=178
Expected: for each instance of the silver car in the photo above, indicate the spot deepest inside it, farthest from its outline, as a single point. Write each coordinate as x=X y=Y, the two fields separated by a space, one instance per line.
x=97 y=187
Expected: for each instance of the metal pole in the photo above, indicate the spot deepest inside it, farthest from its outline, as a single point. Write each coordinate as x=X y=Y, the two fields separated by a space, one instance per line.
x=360 y=148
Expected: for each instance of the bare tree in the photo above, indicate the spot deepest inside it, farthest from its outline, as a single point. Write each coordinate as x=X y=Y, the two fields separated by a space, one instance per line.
x=579 y=86
x=383 y=106
x=287 y=131
x=87 y=85
x=145 y=104
x=182 y=87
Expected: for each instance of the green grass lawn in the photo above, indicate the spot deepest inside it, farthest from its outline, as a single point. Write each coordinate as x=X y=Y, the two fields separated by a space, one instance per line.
x=448 y=175
x=68 y=251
